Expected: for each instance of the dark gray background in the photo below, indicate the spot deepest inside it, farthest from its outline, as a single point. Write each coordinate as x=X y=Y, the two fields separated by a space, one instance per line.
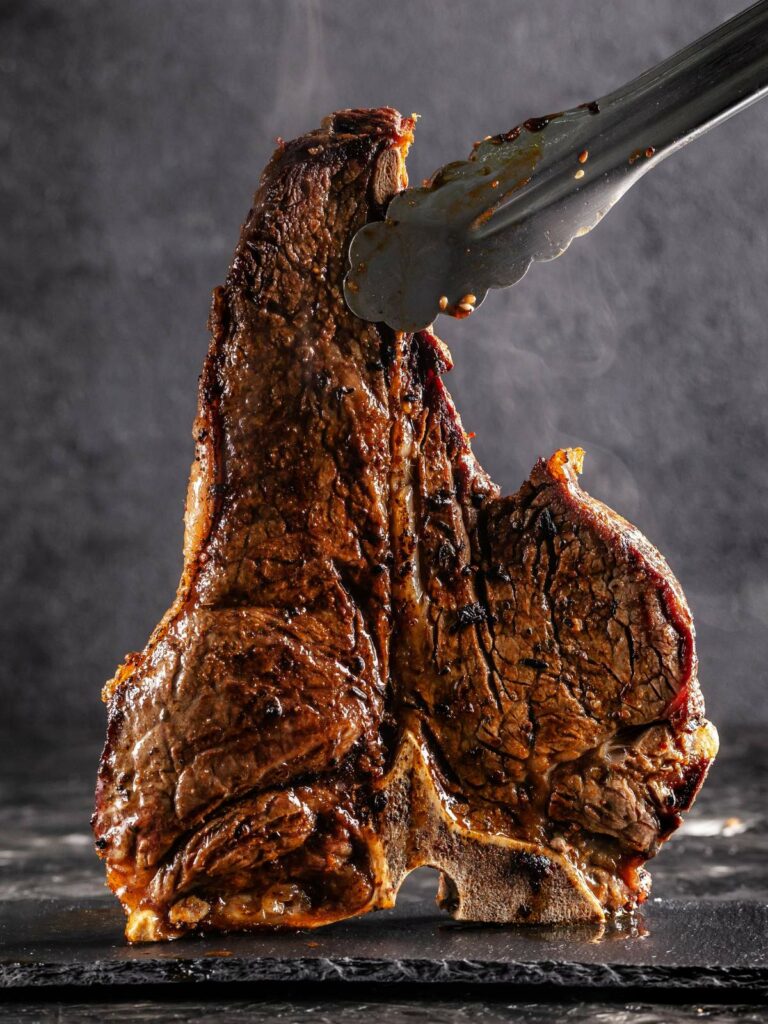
x=132 y=135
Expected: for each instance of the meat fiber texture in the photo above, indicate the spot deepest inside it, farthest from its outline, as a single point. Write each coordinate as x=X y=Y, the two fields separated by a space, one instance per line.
x=374 y=661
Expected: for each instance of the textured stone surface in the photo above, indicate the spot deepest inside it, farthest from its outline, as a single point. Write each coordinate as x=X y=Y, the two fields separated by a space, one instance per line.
x=703 y=928
x=456 y=1010
x=131 y=138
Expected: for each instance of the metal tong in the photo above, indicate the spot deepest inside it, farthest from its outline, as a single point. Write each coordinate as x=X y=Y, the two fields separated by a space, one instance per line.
x=526 y=194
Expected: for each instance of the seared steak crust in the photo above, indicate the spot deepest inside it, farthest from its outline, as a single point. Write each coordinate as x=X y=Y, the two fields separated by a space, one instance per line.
x=374 y=661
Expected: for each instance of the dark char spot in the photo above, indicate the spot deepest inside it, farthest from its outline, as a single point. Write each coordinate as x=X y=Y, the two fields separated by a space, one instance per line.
x=439 y=499
x=469 y=615
x=445 y=554
x=273 y=708
x=536 y=866
x=547 y=524
x=379 y=801
x=536 y=663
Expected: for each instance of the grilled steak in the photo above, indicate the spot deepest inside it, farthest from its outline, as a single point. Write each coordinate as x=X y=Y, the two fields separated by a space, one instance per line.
x=373 y=660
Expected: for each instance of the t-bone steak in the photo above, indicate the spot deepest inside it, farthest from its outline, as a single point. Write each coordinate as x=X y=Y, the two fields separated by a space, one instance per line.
x=374 y=661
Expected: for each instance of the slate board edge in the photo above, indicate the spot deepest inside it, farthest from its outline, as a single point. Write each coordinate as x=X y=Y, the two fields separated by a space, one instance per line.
x=15 y=975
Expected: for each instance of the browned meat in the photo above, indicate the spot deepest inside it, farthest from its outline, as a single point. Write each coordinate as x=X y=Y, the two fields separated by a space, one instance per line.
x=374 y=661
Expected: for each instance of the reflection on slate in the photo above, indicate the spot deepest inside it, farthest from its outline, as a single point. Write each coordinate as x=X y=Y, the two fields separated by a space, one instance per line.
x=704 y=926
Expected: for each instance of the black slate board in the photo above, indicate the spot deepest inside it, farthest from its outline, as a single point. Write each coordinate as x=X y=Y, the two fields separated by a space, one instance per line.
x=681 y=944
x=430 y=1006
x=705 y=927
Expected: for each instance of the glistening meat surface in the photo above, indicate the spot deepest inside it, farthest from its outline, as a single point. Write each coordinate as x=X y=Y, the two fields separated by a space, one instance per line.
x=373 y=660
